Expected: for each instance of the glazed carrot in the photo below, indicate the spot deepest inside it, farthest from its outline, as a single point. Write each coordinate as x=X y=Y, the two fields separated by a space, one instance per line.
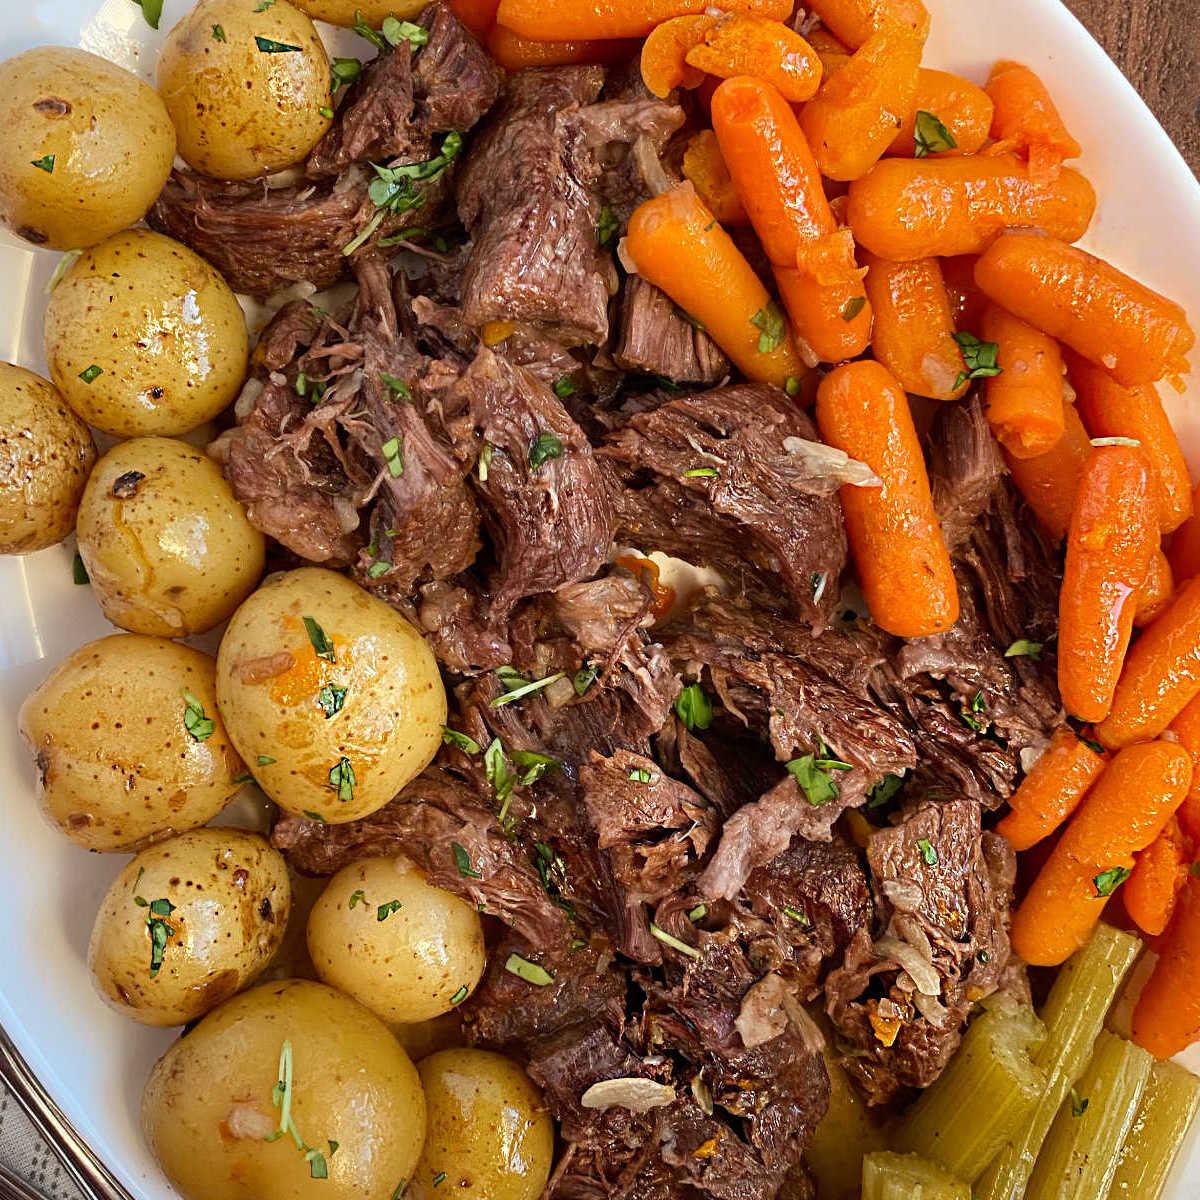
x=1107 y=317
x=775 y=174
x=830 y=51
x=1050 y=481
x=1125 y=810
x=853 y=21
x=1186 y=728
x=1156 y=591
x=477 y=15
x=967 y=302
x=1166 y=1019
x=926 y=207
x=676 y=243
x=1184 y=551
x=705 y=166
x=964 y=109
x=1162 y=673
x=1158 y=877
x=514 y=52
x=851 y=121
x=572 y=20
x=914 y=327
x=1026 y=120
x=1025 y=401
x=1052 y=791
x=745 y=44
x=1112 y=537
x=895 y=539
x=664 y=62
x=1109 y=410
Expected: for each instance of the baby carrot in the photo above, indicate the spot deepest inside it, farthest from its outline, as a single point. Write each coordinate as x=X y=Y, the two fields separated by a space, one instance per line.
x=952 y=102
x=828 y=306
x=853 y=21
x=1166 y=1018
x=1184 y=551
x=1186 y=728
x=1158 y=877
x=1112 y=537
x=745 y=44
x=664 y=54
x=967 y=302
x=914 y=327
x=830 y=51
x=1125 y=810
x=1156 y=591
x=676 y=243
x=1025 y=118
x=854 y=116
x=514 y=52
x=1025 y=401
x=1052 y=791
x=572 y=20
x=919 y=208
x=477 y=15
x=1107 y=317
x=1049 y=482
x=895 y=539
x=1110 y=410
x=1162 y=673
x=705 y=166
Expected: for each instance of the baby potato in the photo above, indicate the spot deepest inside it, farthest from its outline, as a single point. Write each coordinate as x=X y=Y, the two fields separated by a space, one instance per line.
x=46 y=452
x=490 y=1136
x=189 y=922
x=129 y=743
x=168 y=548
x=407 y=950
x=85 y=147
x=344 y=12
x=350 y=1096
x=252 y=100
x=332 y=697
x=144 y=337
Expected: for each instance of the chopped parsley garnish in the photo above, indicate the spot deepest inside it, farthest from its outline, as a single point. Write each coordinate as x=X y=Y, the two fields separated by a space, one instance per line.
x=263 y=5
x=439 y=1179
x=531 y=972
x=584 y=678
x=281 y=1098
x=928 y=851
x=524 y=688
x=326 y=112
x=195 y=720
x=564 y=386
x=1024 y=648
x=218 y=33
x=801 y=918
x=930 y=135
x=702 y=473
x=331 y=698
x=853 y=307
x=376 y=569
x=91 y=374
x=1108 y=881
x=640 y=775
x=45 y=163
x=544 y=447
x=322 y=646
x=533 y=766
x=970 y=717
x=693 y=707
x=499 y=773
x=345 y=71
x=270 y=46
x=396 y=386
x=698 y=913
x=884 y=790
x=385 y=910
x=79 y=571
x=314 y=816
x=1078 y=1106
x=392 y=190
x=264 y=760
x=451 y=737
x=607 y=229
x=485 y=460
x=791 y=385
x=979 y=356
x=396 y=31
x=357 y=897
x=462 y=860
x=1090 y=743
x=151 y=10
x=156 y=922
x=342 y=780
x=772 y=327
x=393 y=455
x=459 y=996
x=675 y=944
x=812 y=775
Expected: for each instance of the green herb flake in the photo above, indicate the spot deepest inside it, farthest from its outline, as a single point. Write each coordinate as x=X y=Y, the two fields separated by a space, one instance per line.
x=151 y=10
x=322 y=646
x=885 y=790
x=801 y=918
x=526 y=689
x=693 y=707
x=357 y=897
x=156 y=923
x=462 y=860
x=698 y=913
x=791 y=385
x=270 y=46
x=264 y=760
x=439 y=1179
x=314 y=816
x=79 y=571
x=931 y=136
x=675 y=944
x=979 y=356
x=853 y=307
x=564 y=386
x=218 y=33
x=544 y=447
x=928 y=851
x=331 y=698
x=771 y=326
x=584 y=678
x=812 y=777
x=499 y=773
x=244 y=777
x=45 y=163
x=640 y=775
x=451 y=737
x=396 y=31
x=385 y=910
x=344 y=71
x=342 y=780
x=91 y=374
x=398 y=1194
x=393 y=455
x=195 y=720
x=326 y=112
x=702 y=473
x=396 y=386
x=392 y=188
x=459 y=996
x=377 y=569
x=263 y=5
x=1024 y=648
x=533 y=766
x=608 y=226
x=1078 y=1106
x=531 y=972
x=1108 y=881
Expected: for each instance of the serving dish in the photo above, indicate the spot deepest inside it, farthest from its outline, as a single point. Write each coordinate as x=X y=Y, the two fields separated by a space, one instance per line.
x=80 y=1067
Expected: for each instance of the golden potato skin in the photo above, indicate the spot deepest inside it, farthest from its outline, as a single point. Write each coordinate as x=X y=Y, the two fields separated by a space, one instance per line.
x=231 y=899
x=240 y=111
x=269 y=684
x=168 y=548
x=341 y=12
x=416 y=963
x=489 y=1132
x=110 y=137
x=118 y=767
x=46 y=453
x=144 y=337
x=207 y=1107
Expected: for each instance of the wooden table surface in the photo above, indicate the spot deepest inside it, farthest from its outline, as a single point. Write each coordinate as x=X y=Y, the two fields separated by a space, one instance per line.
x=1157 y=44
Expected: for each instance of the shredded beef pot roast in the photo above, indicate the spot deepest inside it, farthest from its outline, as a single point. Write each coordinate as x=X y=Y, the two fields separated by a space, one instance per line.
x=713 y=811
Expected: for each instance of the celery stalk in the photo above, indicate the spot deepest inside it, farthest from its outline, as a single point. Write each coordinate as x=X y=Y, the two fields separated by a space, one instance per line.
x=887 y=1176
x=1170 y=1101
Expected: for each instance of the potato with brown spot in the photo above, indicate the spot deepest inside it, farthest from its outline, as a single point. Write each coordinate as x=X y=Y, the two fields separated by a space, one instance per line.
x=46 y=453
x=331 y=696
x=144 y=337
x=407 y=950
x=129 y=743
x=189 y=922
x=253 y=100
x=85 y=147
x=168 y=548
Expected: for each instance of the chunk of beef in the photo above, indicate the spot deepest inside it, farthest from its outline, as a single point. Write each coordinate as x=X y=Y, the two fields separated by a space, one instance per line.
x=965 y=468
x=654 y=337
x=455 y=79
x=455 y=620
x=760 y=505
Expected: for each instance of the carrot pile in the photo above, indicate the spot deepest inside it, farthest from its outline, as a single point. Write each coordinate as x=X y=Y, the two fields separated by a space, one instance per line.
x=915 y=216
